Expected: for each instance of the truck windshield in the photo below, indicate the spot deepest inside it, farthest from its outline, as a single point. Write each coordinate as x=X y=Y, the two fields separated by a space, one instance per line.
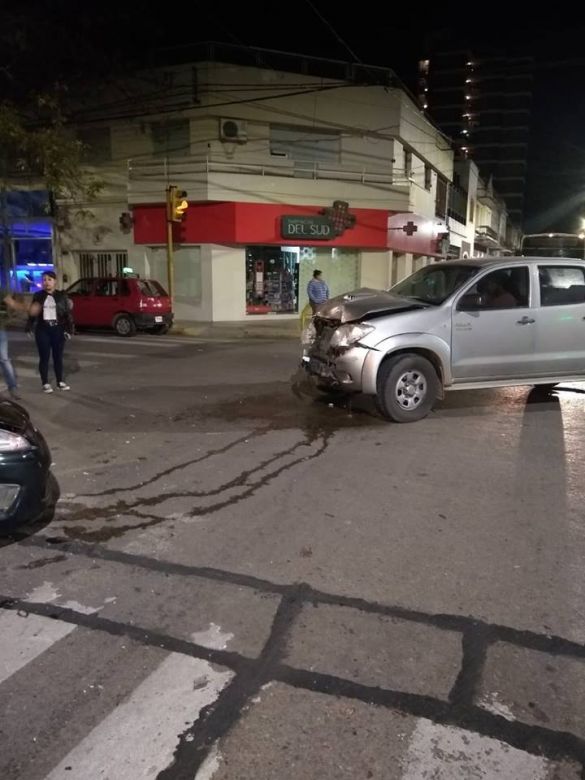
x=435 y=283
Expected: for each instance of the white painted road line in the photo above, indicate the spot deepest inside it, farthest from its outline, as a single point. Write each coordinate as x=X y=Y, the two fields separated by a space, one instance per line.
x=445 y=752
x=24 y=637
x=138 y=739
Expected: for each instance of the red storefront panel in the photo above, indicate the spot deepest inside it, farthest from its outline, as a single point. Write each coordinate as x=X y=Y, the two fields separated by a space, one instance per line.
x=234 y=223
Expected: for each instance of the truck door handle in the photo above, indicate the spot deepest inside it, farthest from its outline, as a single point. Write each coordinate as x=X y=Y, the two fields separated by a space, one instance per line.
x=525 y=321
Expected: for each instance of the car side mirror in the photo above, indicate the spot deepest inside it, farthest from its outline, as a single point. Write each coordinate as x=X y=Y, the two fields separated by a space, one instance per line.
x=470 y=302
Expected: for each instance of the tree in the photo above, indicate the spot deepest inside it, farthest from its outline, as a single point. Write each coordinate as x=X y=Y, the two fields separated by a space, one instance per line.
x=38 y=150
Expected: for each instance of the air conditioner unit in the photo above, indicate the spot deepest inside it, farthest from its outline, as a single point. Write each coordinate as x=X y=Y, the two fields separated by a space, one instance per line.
x=233 y=130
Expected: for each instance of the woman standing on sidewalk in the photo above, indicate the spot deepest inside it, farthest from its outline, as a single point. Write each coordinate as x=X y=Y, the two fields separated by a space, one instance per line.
x=50 y=318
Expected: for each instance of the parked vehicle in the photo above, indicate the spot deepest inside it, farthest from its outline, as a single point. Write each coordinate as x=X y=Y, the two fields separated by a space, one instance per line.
x=457 y=325
x=28 y=489
x=124 y=304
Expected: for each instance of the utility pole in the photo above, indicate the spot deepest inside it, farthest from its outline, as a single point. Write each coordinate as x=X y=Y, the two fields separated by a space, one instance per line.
x=170 y=261
x=176 y=207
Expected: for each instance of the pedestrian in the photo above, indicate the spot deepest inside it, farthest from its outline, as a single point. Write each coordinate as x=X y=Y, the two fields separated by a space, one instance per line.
x=317 y=290
x=8 y=302
x=50 y=319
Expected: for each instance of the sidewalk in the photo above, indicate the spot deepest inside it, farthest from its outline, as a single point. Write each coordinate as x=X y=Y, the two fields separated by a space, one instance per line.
x=287 y=329
x=210 y=331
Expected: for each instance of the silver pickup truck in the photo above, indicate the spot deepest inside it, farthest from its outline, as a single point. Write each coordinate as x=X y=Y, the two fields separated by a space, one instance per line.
x=483 y=322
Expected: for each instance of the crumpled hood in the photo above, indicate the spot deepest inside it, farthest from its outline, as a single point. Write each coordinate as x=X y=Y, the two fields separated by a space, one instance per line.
x=365 y=302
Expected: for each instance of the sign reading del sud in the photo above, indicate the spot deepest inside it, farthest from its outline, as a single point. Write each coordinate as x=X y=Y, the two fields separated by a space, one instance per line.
x=315 y=228
x=331 y=223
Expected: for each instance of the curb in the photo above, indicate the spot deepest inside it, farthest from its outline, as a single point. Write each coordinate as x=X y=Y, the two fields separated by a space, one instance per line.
x=232 y=334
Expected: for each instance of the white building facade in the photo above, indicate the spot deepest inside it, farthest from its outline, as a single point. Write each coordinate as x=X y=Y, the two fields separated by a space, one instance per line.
x=288 y=166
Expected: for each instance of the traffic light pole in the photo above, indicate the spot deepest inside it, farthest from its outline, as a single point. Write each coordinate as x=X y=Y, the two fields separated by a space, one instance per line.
x=170 y=261
x=176 y=207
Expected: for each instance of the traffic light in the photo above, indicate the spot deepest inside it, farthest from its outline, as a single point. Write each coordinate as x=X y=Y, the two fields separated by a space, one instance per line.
x=177 y=204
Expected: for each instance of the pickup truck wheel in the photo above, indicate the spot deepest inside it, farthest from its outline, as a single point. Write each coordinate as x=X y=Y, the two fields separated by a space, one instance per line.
x=124 y=325
x=408 y=387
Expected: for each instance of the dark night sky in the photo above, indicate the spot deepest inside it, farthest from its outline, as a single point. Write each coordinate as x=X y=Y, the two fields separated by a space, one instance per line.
x=103 y=35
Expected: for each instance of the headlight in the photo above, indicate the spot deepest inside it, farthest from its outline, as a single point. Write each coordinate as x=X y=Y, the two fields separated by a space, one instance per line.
x=13 y=442
x=349 y=334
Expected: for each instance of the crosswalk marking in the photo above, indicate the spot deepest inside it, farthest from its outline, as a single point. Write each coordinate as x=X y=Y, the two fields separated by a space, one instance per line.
x=435 y=751
x=137 y=740
x=24 y=637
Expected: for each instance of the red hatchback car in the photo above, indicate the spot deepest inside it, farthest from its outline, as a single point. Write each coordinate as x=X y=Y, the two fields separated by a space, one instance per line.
x=125 y=304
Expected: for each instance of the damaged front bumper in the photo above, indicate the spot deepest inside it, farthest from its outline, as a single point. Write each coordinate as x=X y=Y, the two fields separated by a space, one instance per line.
x=337 y=371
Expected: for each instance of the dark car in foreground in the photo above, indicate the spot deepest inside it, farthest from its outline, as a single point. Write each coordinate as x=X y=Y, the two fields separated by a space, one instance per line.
x=28 y=489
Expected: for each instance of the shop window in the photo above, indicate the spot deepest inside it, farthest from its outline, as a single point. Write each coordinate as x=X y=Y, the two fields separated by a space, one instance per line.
x=272 y=280
x=340 y=269
x=277 y=276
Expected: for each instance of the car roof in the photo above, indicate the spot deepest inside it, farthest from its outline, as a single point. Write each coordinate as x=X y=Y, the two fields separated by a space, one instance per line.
x=486 y=262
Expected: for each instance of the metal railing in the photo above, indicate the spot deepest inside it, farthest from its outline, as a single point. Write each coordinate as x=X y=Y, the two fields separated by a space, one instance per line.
x=184 y=169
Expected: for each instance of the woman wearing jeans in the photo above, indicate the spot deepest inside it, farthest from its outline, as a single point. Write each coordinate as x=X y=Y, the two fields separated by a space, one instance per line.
x=7 y=302
x=50 y=318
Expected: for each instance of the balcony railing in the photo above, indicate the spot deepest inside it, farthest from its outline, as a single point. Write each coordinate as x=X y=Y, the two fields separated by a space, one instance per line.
x=486 y=231
x=182 y=170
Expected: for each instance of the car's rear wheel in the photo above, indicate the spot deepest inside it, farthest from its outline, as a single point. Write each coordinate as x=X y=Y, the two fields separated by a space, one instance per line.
x=408 y=387
x=124 y=325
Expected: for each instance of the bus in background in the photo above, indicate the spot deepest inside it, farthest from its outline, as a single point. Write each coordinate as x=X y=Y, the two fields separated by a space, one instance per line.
x=553 y=245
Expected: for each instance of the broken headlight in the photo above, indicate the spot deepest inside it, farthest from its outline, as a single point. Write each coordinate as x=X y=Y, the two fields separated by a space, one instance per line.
x=349 y=334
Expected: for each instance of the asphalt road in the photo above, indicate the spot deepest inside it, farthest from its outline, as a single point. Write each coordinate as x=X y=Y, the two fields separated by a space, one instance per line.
x=243 y=582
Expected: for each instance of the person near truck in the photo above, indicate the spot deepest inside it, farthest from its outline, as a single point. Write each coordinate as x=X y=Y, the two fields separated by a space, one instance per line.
x=317 y=290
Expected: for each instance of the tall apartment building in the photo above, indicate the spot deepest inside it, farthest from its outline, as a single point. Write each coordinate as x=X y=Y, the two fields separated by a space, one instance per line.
x=483 y=103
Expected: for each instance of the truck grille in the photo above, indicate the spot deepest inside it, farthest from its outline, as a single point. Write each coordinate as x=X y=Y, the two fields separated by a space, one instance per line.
x=324 y=329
